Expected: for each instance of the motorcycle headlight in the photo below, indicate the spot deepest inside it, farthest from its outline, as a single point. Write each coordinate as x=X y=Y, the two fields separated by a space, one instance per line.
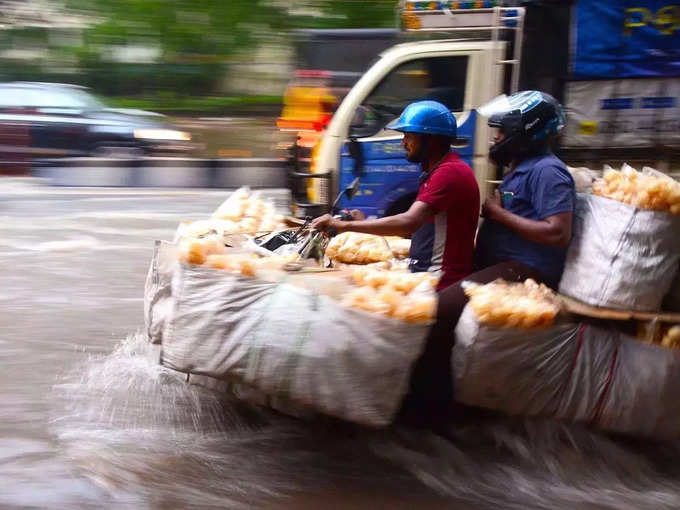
x=162 y=134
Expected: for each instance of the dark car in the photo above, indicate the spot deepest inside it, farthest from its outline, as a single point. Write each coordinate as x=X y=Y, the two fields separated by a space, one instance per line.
x=50 y=120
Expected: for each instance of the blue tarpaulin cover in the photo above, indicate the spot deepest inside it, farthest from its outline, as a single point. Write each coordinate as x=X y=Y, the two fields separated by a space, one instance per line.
x=626 y=39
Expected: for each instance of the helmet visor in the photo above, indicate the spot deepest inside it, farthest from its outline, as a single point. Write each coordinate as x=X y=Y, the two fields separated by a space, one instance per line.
x=522 y=102
x=499 y=104
x=501 y=113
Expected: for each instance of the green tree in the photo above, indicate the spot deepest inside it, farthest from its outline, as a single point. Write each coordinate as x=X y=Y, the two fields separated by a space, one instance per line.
x=348 y=14
x=361 y=13
x=195 y=39
x=208 y=27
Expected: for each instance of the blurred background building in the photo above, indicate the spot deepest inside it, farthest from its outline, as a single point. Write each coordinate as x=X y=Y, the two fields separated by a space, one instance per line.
x=174 y=55
x=194 y=60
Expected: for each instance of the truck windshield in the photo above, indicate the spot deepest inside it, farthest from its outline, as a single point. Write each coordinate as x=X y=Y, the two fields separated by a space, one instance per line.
x=440 y=79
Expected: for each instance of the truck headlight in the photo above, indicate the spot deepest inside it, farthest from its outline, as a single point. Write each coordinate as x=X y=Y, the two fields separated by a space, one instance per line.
x=162 y=134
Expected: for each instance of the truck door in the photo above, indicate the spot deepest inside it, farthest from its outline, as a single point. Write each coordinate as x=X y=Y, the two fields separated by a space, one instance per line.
x=388 y=181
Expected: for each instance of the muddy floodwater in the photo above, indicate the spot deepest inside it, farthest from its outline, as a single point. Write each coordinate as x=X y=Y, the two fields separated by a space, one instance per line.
x=89 y=420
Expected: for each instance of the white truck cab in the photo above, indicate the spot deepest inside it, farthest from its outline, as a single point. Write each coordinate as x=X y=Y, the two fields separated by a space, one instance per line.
x=462 y=73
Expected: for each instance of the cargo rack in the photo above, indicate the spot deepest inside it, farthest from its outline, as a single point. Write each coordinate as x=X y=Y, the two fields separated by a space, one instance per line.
x=485 y=20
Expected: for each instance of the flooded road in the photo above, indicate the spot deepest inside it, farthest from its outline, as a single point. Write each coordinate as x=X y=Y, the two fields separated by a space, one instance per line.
x=89 y=420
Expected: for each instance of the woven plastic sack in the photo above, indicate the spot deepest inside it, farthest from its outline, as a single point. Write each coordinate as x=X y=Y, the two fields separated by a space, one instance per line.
x=157 y=289
x=572 y=371
x=290 y=343
x=620 y=256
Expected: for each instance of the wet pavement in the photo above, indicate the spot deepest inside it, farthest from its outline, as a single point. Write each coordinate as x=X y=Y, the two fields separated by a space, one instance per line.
x=89 y=420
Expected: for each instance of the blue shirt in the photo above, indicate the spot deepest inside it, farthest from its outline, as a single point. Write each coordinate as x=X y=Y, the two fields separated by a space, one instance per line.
x=539 y=187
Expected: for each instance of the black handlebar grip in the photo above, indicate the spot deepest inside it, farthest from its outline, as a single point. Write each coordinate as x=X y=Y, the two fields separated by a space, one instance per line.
x=345 y=215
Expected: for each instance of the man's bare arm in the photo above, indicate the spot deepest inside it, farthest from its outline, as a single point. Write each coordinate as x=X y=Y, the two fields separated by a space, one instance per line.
x=402 y=224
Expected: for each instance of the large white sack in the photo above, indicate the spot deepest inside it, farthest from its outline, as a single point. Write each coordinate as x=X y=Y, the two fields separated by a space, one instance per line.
x=290 y=343
x=158 y=305
x=571 y=371
x=157 y=289
x=620 y=256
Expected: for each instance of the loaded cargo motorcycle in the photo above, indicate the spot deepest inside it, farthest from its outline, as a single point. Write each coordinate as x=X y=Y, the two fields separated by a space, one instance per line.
x=342 y=344
x=311 y=341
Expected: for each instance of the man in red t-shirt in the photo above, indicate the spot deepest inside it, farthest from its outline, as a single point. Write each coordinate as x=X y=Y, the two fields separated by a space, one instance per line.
x=443 y=219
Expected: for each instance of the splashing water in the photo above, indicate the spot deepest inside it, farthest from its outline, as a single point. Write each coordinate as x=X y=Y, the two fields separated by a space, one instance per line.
x=72 y=273
x=150 y=438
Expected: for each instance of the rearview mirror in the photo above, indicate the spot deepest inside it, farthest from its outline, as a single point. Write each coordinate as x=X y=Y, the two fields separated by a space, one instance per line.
x=352 y=189
x=365 y=122
x=349 y=191
x=359 y=117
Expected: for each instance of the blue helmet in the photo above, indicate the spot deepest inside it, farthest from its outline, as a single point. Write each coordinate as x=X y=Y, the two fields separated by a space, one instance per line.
x=427 y=118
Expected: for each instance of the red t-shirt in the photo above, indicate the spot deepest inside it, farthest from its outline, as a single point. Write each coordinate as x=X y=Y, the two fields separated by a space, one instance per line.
x=445 y=243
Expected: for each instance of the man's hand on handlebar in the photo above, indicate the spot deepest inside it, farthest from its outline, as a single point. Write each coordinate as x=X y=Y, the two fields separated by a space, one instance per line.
x=325 y=222
x=336 y=223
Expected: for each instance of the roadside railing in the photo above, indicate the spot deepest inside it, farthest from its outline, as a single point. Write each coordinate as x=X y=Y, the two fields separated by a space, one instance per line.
x=164 y=172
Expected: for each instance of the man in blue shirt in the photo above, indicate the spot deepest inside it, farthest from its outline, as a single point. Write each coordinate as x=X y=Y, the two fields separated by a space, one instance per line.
x=526 y=231
x=531 y=224
x=528 y=221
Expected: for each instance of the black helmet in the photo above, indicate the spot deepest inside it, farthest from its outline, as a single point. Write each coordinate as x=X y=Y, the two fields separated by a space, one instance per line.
x=528 y=119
